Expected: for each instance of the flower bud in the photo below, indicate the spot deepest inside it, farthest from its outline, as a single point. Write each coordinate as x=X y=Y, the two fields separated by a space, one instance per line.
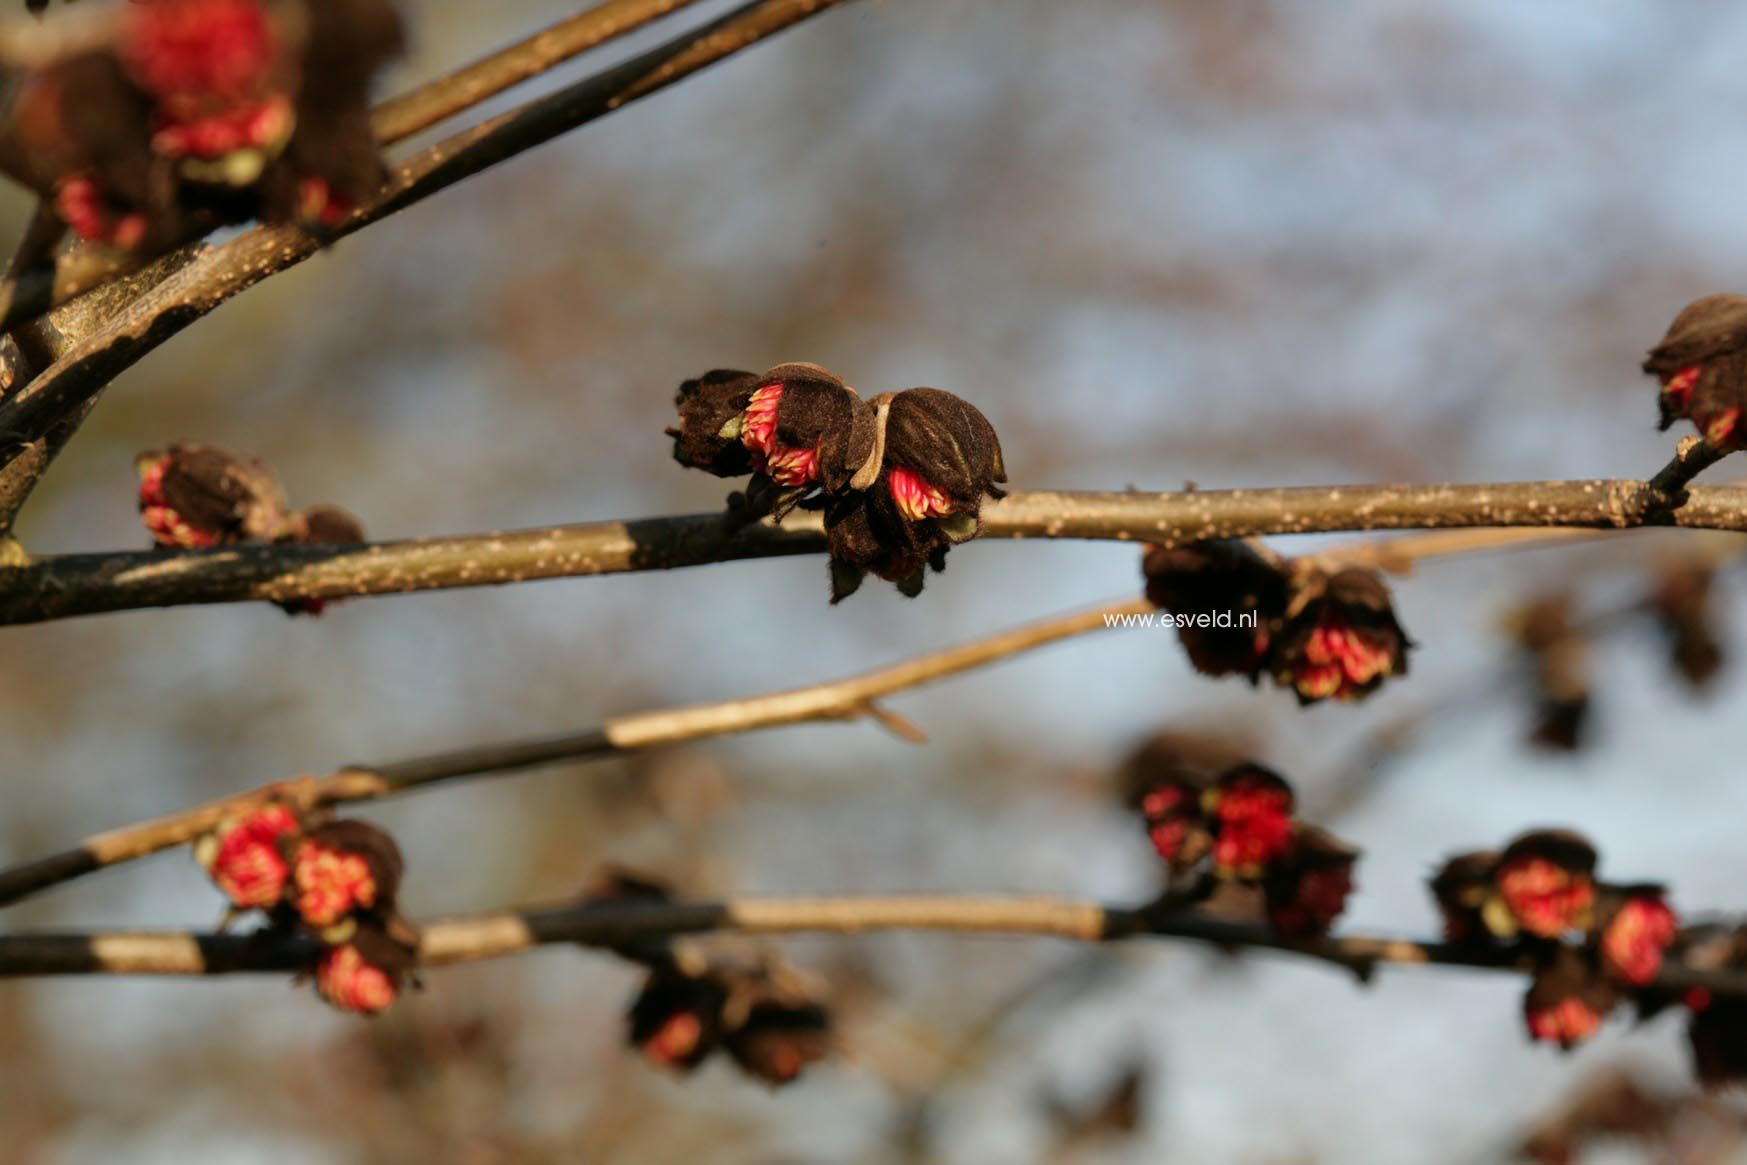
x=1702 y=366
x=676 y=1019
x=1559 y=653
x=1681 y=602
x=1177 y=822
x=1307 y=890
x=193 y=496
x=342 y=868
x=778 y=1038
x=1568 y=999
x=323 y=525
x=1463 y=886
x=1213 y=582
x=1343 y=640
x=939 y=458
x=710 y=407
x=365 y=973
x=248 y=854
x=1635 y=927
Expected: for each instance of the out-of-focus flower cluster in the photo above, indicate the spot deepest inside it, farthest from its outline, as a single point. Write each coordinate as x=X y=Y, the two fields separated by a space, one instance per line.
x=1232 y=839
x=229 y=109
x=1239 y=610
x=336 y=880
x=901 y=477
x=747 y=1002
x=1590 y=944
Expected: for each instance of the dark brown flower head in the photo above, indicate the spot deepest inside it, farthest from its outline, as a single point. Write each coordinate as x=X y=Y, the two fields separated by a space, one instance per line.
x=1462 y=887
x=365 y=973
x=1681 y=601
x=1213 y=589
x=1177 y=755
x=939 y=459
x=1341 y=640
x=344 y=868
x=676 y=1019
x=803 y=428
x=1546 y=882
x=710 y=417
x=779 y=1037
x=248 y=855
x=1702 y=366
x=1559 y=654
x=192 y=496
x=1568 y=998
x=1307 y=889
x=1253 y=828
x=1634 y=927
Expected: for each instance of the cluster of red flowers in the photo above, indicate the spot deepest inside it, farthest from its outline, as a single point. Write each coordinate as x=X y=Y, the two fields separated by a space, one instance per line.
x=335 y=880
x=1591 y=943
x=901 y=477
x=1241 y=611
x=1239 y=828
x=232 y=108
x=763 y=1013
x=193 y=496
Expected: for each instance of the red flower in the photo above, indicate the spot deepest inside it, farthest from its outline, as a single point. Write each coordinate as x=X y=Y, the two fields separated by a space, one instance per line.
x=1344 y=640
x=1545 y=899
x=246 y=855
x=365 y=973
x=1252 y=813
x=1546 y=882
x=351 y=983
x=1638 y=933
x=780 y=1037
x=341 y=868
x=194 y=495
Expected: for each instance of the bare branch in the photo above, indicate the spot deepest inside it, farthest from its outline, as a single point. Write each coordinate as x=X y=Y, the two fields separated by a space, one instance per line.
x=845 y=699
x=83 y=584
x=616 y=924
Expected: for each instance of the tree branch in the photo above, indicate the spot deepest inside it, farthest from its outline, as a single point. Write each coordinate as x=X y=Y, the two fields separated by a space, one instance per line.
x=82 y=584
x=844 y=699
x=616 y=924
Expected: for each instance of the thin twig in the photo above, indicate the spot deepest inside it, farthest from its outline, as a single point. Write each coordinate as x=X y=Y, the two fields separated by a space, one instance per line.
x=845 y=699
x=82 y=584
x=614 y=924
